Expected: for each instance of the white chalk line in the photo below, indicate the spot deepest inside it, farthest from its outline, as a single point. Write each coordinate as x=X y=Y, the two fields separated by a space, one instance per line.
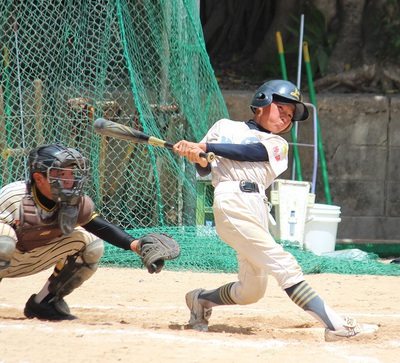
x=265 y=344
x=230 y=342
x=219 y=308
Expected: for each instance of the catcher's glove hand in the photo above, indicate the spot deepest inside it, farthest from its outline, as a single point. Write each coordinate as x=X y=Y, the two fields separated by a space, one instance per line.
x=155 y=248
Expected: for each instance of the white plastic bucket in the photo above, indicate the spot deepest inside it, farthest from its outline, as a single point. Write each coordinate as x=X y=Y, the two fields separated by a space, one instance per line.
x=290 y=199
x=321 y=228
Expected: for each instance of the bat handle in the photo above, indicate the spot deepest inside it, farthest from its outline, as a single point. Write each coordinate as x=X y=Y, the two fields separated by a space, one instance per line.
x=208 y=156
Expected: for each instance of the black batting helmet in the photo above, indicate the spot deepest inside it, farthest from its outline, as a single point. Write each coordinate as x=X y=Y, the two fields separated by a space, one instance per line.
x=283 y=92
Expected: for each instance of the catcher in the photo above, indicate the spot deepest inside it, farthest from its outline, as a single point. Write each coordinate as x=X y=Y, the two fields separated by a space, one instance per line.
x=48 y=221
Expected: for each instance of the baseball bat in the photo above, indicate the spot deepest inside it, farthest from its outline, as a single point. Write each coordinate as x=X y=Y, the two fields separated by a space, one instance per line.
x=113 y=129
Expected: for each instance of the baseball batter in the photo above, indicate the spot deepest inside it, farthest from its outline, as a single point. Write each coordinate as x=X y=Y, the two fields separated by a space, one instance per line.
x=48 y=221
x=250 y=155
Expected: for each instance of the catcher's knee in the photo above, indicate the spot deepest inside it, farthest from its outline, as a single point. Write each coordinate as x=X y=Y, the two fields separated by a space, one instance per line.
x=93 y=252
x=8 y=241
x=78 y=268
x=7 y=248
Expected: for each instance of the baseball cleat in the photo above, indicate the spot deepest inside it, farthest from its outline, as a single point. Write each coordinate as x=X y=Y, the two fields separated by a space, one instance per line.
x=46 y=310
x=199 y=315
x=62 y=307
x=351 y=329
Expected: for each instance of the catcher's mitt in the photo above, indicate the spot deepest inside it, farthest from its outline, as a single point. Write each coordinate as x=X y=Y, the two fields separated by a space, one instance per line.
x=155 y=248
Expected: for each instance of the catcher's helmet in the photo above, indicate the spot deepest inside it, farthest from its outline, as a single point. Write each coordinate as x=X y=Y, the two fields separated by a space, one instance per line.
x=49 y=157
x=283 y=92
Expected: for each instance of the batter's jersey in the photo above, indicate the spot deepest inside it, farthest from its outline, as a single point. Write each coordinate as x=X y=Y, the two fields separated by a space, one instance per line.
x=262 y=172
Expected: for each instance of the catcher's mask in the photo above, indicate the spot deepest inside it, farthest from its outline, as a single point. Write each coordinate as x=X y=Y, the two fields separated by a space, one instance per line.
x=65 y=161
x=280 y=91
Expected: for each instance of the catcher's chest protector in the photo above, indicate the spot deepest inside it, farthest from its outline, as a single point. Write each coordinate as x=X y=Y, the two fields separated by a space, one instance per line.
x=36 y=229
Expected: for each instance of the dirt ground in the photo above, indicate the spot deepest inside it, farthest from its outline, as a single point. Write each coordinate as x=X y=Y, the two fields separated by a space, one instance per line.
x=128 y=315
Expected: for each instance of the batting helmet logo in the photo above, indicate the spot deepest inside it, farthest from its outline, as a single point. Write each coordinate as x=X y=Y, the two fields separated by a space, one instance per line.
x=296 y=94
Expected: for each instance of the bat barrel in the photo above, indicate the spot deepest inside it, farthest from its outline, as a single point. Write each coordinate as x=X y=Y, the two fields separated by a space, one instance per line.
x=99 y=125
x=122 y=132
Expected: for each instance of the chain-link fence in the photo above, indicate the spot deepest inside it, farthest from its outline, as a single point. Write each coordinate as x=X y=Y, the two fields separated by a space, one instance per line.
x=139 y=63
x=143 y=64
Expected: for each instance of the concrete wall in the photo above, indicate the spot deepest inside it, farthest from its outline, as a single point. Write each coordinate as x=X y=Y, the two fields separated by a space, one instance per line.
x=361 y=146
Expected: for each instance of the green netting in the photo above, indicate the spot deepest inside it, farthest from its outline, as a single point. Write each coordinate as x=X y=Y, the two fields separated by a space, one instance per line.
x=203 y=251
x=141 y=63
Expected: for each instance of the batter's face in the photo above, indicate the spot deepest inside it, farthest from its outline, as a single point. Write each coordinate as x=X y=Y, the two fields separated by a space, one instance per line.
x=276 y=117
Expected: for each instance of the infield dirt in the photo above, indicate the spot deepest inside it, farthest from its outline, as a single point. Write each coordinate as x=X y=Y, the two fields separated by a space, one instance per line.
x=128 y=315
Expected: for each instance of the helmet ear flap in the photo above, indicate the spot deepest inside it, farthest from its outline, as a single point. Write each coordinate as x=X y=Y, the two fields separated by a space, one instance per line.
x=262 y=98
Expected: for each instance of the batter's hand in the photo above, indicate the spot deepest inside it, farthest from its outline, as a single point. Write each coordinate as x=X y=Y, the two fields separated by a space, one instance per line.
x=192 y=151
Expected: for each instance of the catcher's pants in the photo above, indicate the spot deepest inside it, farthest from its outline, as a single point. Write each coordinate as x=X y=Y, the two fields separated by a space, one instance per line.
x=44 y=257
x=241 y=220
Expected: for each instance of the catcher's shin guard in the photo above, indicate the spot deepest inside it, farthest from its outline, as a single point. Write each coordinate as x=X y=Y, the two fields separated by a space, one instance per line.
x=79 y=268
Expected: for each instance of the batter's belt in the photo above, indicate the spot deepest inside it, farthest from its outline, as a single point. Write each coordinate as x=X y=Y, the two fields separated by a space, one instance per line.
x=244 y=186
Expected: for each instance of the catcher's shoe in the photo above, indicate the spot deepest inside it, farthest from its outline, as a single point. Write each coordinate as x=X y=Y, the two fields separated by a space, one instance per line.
x=351 y=329
x=199 y=315
x=47 y=310
x=7 y=247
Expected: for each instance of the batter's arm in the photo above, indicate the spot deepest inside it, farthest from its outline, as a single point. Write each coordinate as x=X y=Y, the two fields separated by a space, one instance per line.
x=239 y=152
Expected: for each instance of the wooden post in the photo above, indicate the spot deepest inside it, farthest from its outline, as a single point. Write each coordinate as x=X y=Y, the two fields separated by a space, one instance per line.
x=3 y=143
x=38 y=106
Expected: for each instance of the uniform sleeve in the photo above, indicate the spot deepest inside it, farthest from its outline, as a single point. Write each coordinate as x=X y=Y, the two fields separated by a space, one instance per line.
x=109 y=232
x=239 y=152
x=277 y=149
x=214 y=132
